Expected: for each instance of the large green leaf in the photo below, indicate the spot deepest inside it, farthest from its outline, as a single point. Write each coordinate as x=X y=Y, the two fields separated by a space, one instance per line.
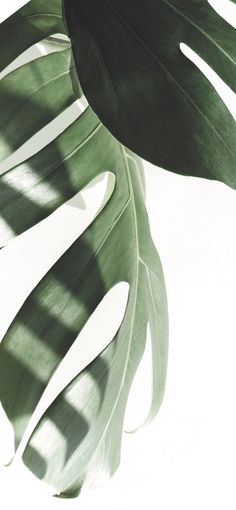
x=116 y=247
x=147 y=93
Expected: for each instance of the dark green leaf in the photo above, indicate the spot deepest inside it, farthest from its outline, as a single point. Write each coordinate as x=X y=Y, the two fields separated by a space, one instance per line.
x=147 y=93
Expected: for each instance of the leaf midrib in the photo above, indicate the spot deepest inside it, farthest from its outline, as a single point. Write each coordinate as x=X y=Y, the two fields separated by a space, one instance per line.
x=158 y=373
x=125 y=155
x=138 y=260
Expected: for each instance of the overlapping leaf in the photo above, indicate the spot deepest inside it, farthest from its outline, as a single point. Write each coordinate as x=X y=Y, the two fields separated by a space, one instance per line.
x=87 y=417
x=147 y=93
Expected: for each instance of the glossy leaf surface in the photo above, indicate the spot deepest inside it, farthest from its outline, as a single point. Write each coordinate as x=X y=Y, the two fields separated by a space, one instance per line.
x=147 y=93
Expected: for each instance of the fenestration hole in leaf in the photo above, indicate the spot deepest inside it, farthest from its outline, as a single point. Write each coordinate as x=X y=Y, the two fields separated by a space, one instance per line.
x=226 y=9
x=94 y=337
x=223 y=90
x=24 y=261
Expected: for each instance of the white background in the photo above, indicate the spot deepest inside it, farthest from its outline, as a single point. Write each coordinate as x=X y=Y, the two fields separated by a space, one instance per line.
x=186 y=459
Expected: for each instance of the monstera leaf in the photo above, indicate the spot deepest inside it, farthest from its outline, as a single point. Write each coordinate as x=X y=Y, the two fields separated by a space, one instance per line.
x=145 y=90
x=78 y=436
x=116 y=247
